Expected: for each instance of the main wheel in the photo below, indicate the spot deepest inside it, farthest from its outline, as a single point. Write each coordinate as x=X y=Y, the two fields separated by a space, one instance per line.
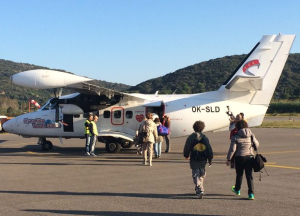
x=127 y=144
x=112 y=147
x=47 y=145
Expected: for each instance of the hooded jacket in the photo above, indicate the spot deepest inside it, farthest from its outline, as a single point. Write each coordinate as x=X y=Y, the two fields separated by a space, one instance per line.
x=152 y=130
x=241 y=144
x=188 y=147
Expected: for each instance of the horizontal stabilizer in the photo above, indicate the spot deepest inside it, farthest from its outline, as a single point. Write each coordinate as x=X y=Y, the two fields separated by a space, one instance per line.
x=241 y=83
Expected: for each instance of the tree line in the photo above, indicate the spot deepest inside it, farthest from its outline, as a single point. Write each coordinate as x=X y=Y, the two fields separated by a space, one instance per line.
x=201 y=77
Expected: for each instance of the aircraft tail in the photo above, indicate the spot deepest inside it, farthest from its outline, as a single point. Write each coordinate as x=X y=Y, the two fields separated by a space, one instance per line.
x=261 y=69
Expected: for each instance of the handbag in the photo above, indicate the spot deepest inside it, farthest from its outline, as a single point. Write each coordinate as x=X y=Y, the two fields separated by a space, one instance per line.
x=259 y=161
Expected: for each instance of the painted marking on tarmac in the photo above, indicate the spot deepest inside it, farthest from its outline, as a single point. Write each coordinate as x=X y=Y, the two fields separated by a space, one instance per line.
x=280 y=152
x=8 y=145
x=284 y=167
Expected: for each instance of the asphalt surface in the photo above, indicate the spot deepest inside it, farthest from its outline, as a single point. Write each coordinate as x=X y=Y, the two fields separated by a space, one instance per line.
x=65 y=182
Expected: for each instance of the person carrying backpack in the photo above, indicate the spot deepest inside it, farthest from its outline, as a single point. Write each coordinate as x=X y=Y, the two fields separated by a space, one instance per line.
x=149 y=131
x=241 y=147
x=157 y=145
x=198 y=150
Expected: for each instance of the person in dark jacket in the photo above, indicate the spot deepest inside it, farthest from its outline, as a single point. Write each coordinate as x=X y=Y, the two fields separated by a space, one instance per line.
x=242 y=149
x=167 y=124
x=87 y=133
x=198 y=150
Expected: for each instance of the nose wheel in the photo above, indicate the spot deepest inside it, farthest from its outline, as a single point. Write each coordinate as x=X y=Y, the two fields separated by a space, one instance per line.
x=46 y=144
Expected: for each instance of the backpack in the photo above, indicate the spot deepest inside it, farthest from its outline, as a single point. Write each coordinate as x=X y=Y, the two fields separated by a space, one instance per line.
x=144 y=133
x=162 y=130
x=199 y=150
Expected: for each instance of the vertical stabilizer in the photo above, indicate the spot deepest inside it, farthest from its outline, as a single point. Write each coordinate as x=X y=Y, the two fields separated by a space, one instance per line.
x=261 y=69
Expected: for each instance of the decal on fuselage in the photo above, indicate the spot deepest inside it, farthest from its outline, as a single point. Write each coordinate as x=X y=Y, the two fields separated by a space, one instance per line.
x=41 y=123
x=208 y=109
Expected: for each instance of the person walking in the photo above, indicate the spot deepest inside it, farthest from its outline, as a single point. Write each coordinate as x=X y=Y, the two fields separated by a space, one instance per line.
x=198 y=150
x=148 y=127
x=167 y=124
x=94 y=134
x=87 y=133
x=241 y=146
x=157 y=145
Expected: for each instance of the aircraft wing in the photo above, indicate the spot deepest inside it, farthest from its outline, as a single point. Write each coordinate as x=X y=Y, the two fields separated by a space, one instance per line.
x=88 y=88
x=241 y=83
x=47 y=79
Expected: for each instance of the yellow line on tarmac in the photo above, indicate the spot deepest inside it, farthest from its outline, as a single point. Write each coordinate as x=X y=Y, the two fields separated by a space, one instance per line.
x=8 y=145
x=280 y=152
x=284 y=167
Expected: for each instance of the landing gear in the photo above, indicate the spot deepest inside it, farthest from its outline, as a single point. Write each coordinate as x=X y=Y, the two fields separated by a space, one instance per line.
x=46 y=144
x=112 y=146
x=127 y=144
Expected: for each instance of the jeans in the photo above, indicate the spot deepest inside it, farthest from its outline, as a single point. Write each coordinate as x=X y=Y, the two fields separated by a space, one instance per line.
x=167 y=138
x=93 y=144
x=87 y=142
x=157 y=148
x=244 y=163
x=198 y=179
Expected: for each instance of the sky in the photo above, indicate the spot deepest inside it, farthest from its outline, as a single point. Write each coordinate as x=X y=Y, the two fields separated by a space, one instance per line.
x=131 y=41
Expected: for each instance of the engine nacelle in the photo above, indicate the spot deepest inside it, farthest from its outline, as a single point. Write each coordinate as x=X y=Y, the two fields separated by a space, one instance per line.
x=45 y=79
x=70 y=109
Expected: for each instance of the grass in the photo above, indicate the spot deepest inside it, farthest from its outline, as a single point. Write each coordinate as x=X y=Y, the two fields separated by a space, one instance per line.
x=280 y=124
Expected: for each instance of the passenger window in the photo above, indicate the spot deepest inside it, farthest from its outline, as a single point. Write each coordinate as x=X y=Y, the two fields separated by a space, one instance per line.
x=76 y=116
x=129 y=114
x=106 y=114
x=117 y=114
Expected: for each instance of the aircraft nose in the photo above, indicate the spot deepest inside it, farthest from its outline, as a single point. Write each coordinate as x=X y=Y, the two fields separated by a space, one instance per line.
x=9 y=125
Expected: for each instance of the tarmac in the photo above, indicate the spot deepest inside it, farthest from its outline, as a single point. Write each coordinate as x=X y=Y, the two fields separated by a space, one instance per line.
x=65 y=182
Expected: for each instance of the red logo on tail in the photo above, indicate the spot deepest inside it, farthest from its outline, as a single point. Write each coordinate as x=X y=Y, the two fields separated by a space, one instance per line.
x=249 y=64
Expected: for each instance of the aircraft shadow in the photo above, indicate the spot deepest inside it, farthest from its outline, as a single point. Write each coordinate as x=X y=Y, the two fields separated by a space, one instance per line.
x=108 y=213
x=134 y=195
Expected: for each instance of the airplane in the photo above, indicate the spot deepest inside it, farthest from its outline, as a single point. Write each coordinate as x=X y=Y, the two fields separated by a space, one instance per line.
x=249 y=90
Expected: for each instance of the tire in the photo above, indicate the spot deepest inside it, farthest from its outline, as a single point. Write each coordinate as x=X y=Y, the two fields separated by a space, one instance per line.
x=112 y=147
x=127 y=144
x=47 y=145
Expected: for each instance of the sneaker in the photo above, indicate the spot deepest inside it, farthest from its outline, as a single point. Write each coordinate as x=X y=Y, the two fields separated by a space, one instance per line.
x=200 y=195
x=158 y=156
x=150 y=164
x=94 y=155
x=251 y=196
x=234 y=191
x=87 y=154
x=145 y=163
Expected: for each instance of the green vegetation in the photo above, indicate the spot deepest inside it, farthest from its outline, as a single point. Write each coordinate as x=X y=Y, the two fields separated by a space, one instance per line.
x=16 y=98
x=210 y=75
x=280 y=124
x=284 y=106
x=197 y=78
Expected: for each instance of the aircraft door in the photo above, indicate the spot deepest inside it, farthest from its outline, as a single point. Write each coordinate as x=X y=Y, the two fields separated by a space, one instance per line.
x=117 y=116
x=68 y=123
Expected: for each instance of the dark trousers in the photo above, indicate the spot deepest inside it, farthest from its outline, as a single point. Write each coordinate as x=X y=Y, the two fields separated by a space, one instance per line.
x=167 y=138
x=244 y=163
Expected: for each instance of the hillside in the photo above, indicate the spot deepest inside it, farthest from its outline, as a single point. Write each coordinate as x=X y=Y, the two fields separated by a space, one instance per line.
x=201 y=77
x=13 y=96
x=210 y=75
